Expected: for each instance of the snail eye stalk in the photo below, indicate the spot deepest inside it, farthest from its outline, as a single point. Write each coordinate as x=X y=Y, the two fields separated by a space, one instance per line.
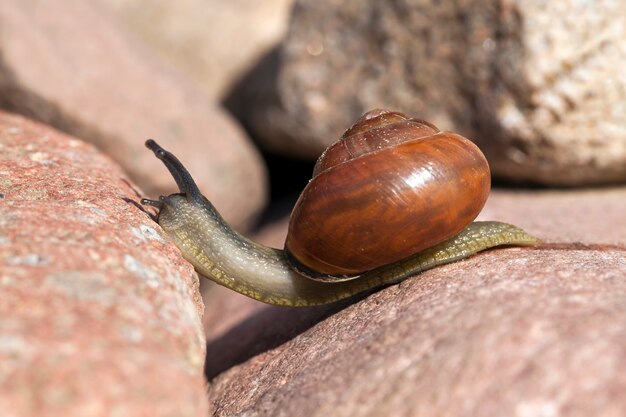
x=183 y=178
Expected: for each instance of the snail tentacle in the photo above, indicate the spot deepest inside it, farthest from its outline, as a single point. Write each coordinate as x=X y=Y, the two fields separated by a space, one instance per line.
x=153 y=203
x=183 y=178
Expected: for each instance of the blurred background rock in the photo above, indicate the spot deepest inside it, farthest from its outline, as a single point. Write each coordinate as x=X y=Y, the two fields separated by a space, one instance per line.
x=74 y=66
x=214 y=42
x=539 y=85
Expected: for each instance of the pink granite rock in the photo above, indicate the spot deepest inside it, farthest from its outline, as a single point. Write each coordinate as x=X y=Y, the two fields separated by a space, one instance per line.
x=69 y=64
x=511 y=332
x=592 y=216
x=99 y=315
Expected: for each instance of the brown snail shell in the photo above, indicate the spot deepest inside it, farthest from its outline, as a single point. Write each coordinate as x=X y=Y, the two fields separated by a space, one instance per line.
x=389 y=188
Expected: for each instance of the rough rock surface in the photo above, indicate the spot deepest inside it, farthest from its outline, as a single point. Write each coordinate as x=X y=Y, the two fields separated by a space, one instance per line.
x=538 y=84
x=587 y=216
x=99 y=315
x=67 y=63
x=481 y=337
x=507 y=332
x=213 y=41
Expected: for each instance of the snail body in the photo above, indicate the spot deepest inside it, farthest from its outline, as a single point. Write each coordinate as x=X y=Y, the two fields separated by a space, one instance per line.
x=442 y=182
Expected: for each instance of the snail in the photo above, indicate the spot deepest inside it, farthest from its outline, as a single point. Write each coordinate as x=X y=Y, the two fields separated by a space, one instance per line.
x=393 y=197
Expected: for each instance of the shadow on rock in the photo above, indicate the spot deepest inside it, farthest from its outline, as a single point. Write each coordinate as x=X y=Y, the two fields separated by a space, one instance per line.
x=266 y=330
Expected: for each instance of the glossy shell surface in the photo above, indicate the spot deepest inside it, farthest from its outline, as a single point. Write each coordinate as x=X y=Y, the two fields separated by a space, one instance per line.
x=391 y=186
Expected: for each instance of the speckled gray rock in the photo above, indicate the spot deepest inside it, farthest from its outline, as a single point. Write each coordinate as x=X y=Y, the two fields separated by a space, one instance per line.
x=99 y=315
x=211 y=40
x=539 y=85
x=67 y=63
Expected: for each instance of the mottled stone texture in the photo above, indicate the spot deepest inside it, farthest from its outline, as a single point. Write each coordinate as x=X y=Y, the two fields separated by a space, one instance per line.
x=213 y=41
x=99 y=315
x=593 y=216
x=525 y=332
x=515 y=332
x=539 y=85
x=67 y=63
